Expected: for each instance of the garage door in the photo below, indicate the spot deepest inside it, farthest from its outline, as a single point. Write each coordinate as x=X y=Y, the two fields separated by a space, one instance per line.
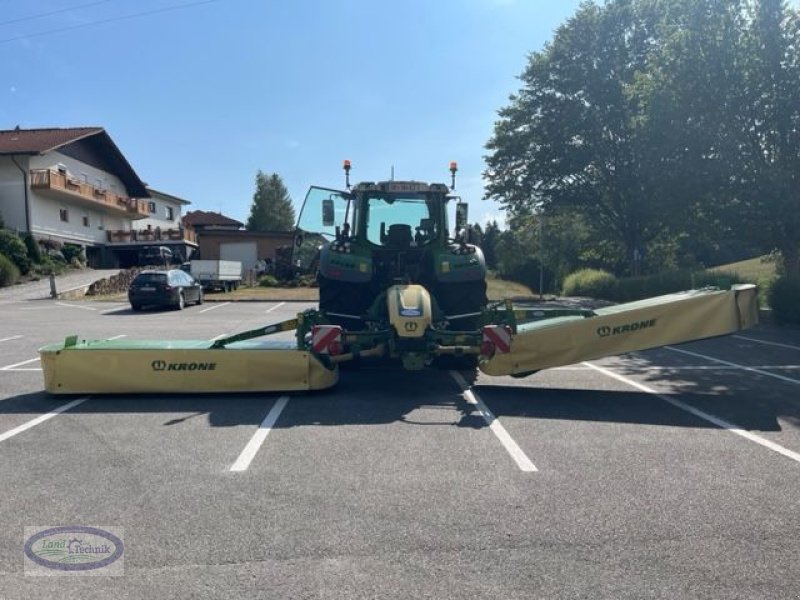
x=246 y=252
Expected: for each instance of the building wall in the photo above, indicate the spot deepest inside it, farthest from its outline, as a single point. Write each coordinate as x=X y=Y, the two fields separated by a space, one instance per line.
x=12 y=192
x=159 y=218
x=46 y=211
x=209 y=242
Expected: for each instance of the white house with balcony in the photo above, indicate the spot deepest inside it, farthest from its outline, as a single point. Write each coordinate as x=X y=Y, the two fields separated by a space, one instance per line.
x=74 y=185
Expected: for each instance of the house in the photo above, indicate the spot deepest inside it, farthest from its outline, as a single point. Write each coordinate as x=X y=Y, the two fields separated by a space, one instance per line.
x=74 y=185
x=222 y=238
x=162 y=228
x=201 y=220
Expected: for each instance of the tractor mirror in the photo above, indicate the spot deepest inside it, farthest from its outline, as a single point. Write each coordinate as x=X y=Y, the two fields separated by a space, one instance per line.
x=327 y=212
x=462 y=215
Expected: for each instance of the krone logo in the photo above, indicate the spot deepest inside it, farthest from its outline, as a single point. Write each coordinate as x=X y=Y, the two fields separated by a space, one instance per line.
x=410 y=326
x=606 y=330
x=159 y=365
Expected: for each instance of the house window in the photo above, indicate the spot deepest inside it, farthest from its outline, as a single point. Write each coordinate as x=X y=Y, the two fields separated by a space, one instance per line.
x=151 y=207
x=86 y=221
x=64 y=215
x=170 y=214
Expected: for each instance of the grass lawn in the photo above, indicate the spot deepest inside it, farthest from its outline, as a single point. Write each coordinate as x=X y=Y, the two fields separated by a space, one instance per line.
x=498 y=289
x=754 y=269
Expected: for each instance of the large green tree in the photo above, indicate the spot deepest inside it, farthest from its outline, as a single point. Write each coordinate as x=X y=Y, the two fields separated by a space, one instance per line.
x=572 y=137
x=272 y=208
x=670 y=125
x=722 y=89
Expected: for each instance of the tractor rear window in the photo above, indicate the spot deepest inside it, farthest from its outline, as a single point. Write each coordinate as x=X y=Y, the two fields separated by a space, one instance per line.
x=401 y=223
x=145 y=278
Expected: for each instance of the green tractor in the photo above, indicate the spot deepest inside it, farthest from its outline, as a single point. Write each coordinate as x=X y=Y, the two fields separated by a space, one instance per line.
x=373 y=236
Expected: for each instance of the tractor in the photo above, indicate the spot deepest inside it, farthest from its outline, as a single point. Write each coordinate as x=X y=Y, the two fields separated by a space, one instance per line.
x=378 y=235
x=398 y=280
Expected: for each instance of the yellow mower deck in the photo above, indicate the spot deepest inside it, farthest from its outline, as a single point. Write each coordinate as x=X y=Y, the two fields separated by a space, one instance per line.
x=116 y=366
x=240 y=364
x=670 y=319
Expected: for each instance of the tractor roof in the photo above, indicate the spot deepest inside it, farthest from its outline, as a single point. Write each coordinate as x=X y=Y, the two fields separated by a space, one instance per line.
x=400 y=187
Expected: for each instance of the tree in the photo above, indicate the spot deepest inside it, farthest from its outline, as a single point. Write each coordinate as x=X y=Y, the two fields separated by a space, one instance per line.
x=572 y=137
x=723 y=88
x=771 y=119
x=491 y=236
x=272 y=208
x=671 y=126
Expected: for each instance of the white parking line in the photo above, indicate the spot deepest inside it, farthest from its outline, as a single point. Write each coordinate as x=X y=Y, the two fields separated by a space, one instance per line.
x=8 y=339
x=116 y=337
x=41 y=419
x=15 y=366
x=732 y=364
x=75 y=306
x=523 y=462
x=778 y=344
x=269 y=310
x=733 y=428
x=112 y=310
x=251 y=449
x=709 y=368
x=215 y=307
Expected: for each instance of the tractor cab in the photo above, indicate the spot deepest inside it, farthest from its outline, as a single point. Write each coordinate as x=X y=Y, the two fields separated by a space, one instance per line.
x=375 y=235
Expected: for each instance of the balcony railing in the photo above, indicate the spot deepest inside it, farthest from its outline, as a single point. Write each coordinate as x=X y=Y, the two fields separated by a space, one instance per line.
x=49 y=180
x=152 y=235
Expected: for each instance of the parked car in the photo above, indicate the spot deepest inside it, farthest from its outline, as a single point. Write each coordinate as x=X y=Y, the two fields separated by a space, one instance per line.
x=156 y=255
x=164 y=288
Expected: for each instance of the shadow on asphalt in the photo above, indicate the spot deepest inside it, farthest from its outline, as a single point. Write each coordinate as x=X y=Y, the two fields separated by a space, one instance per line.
x=378 y=396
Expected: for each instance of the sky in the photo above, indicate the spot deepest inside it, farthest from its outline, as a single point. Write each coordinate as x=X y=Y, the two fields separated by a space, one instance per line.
x=201 y=94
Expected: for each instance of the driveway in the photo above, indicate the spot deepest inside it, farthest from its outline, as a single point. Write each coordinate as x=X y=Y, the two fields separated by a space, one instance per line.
x=38 y=290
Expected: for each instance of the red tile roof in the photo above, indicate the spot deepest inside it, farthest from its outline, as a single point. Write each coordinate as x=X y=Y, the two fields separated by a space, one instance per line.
x=204 y=218
x=39 y=141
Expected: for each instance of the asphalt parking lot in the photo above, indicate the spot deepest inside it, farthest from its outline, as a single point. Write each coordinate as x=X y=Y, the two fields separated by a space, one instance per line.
x=672 y=473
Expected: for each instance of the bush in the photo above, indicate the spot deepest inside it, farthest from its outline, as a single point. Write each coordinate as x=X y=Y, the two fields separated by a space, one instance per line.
x=267 y=281
x=14 y=248
x=784 y=300
x=9 y=273
x=73 y=253
x=34 y=251
x=49 y=266
x=595 y=283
